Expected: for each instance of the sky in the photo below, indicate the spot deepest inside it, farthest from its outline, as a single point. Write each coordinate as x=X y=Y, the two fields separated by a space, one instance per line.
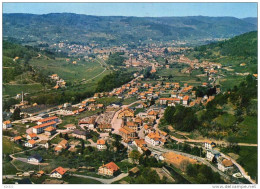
x=239 y=10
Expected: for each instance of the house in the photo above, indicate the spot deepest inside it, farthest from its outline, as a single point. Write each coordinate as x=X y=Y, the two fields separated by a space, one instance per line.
x=209 y=145
x=132 y=125
x=30 y=143
x=34 y=158
x=32 y=136
x=44 y=143
x=50 y=131
x=141 y=145
x=126 y=113
x=40 y=128
x=81 y=134
x=88 y=122
x=61 y=146
x=17 y=139
x=70 y=127
x=224 y=164
x=185 y=100
x=105 y=127
x=55 y=77
x=40 y=173
x=58 y=172
x=109 y=169
x=127 y=134
x=212 y=155
x=101 y=144
x=7 y=124
x=47 y=120
x=154 y=139
x=147 y=129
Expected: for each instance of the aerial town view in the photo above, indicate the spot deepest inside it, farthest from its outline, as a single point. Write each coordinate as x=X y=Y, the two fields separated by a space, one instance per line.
x=129 y=93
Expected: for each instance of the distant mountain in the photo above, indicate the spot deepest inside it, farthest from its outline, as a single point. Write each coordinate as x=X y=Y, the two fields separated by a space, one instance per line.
x=252 y=20
x=110 y=30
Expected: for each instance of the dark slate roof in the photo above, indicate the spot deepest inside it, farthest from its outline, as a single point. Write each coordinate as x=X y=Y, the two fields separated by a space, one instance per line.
x=79 y=132
x=36 y=156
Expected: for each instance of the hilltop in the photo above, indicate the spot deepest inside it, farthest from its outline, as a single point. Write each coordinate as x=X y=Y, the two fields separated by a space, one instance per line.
x=239 y=53
x=114 y=30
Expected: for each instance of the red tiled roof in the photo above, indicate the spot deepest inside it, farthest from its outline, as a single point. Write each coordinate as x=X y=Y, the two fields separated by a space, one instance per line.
x=44 y=125
x=31 y=141
x=101 y=141
x=60 y=170
x=17 y=138
x=49 y=129
x=33 y=135
x=48 y=119
x=112 y=166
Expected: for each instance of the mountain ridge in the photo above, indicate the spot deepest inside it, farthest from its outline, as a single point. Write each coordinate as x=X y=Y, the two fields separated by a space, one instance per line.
x=107 y=30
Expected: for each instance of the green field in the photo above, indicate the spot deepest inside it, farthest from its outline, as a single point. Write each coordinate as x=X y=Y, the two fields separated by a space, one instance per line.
x=67 y=70
x=182 y=78
x=13 y=89
x=248 y=133
x=248 y=160
x=10 y=147
x=8 y=168
x=79 y=180
x=230 y=81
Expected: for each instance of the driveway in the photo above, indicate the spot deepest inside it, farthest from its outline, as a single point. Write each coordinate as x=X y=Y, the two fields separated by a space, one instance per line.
x=104 y=181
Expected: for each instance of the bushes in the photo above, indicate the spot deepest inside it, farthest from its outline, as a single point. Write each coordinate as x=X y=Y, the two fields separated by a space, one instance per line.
x=203 y=174
x=184 y=119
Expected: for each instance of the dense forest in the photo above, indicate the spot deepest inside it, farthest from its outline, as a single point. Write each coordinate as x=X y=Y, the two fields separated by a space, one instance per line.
x=116 y=59
x=241 y=46
x=113 y=80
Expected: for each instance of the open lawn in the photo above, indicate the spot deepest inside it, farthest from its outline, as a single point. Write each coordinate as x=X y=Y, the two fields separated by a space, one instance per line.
x=13 y=89
x=10 y=147
x=248 y=133
x=8 y=168
x=108 y=100
x=79 y=180
x=230 y=81
x=67 y=70
x=130 y=100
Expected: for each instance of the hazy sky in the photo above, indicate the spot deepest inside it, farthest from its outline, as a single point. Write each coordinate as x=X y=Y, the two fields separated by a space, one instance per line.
x=239 y=10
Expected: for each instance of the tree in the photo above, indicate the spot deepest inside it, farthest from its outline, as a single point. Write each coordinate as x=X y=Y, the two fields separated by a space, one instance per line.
x=135 y=156
x=165 y=51
x=60 y=135
x=184 y=164
x=191 y=171
x=16 y=115
x=152 y=101
x=66 y=136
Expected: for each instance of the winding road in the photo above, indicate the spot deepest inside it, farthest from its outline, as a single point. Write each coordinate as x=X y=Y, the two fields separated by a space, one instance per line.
x=104 y=181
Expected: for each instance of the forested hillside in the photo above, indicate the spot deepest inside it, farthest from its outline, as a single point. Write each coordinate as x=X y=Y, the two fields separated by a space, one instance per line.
x=233 y=52
x=110 y=30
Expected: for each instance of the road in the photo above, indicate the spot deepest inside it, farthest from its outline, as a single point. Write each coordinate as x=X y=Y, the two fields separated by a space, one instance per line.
x=241 y=169
x=203 y=141
x=202 y=160
x=104 y=181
